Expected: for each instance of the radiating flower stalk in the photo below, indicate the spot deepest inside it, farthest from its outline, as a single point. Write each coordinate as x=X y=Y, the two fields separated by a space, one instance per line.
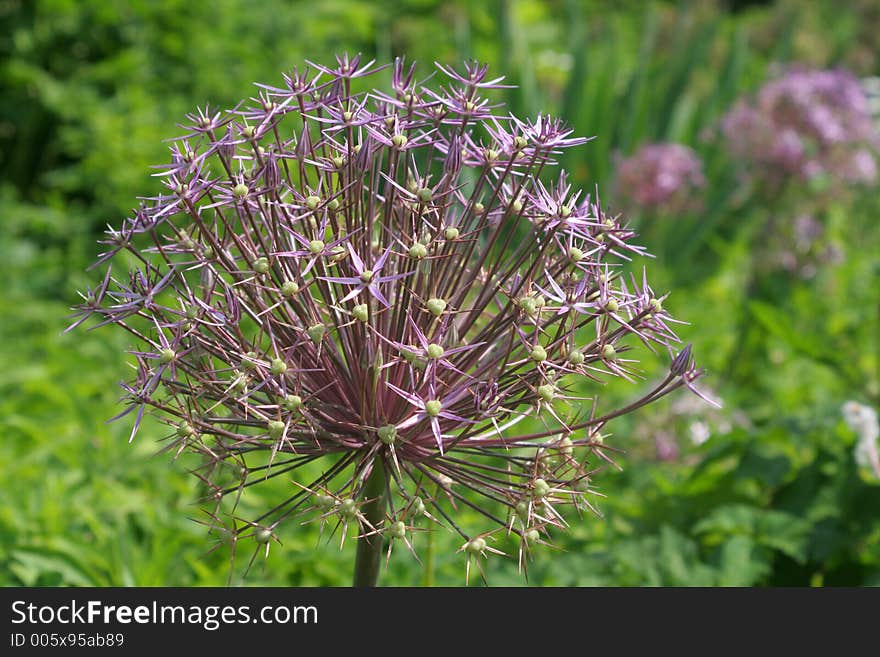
x=377 y=296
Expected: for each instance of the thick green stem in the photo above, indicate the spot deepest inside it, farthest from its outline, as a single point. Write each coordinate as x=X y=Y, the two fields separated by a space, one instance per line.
x=369 y=548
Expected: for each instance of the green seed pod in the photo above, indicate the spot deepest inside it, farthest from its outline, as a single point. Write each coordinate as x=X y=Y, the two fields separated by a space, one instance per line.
x=451 y=233
x=367 y=275
x=436 y=306
x=540 y=489
x=347 y=116
x=313 y=202
x=418 y=251
x=479 y=208
x=292 y=402
x=337 y=254
x=539 y=354
x=397 y=529
x=565 y=446
x=289 y=288
x=564 y=211
x=316 y=332
x=609 y=352
x=316 y=246
x=575 y=357
x=324 y=502
x=492 y=155
x=435 y=351
x=433 y=407
x=263 y=535
x=261 y=265
x=532 y=536
x=333 y=204
x=278 y=366
x=276 y=428
x=517 y=206
x=348 y=508
x=656 y=305
x=520 y=142
x=612 y=306
x=417 y=507
x=240 y=190
x=185 y=429
x=247 y=363
x=476 y=545
x=399 y=141
x=248 y=131
x=522 y=510
x=575 y=254
x=547 y=392
x=167 y=355
x=528 y=305
x=387 y=434
x=239 y=384
x=361 y=312
x=338 y=162
x=425 y=195
x=208 y=252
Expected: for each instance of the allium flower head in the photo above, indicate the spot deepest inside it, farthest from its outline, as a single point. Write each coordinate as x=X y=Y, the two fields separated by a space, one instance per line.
x=661 y=177
x=863 y=420
x=378 y=296
x=806 y=124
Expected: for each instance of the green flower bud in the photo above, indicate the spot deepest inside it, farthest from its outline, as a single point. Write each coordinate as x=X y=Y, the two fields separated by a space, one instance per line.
x=240 y=190
x=263 y=535
x=316 y=332
x=492 y=155
x=367 y=275
x=435 y=351
x=612 y=306
x=292 y=402
x=316 y=246
x=261 y=265
x=338 y=162
x=397 y=529
x=656 y=305
x=433 y=407
x=575 y=357
x=278 y=366
x=520 y=142
x=451 y=233
x=313 y=202
x=361 y=312
x=479 y=208
x=387 y=434
x=418 y=251
x=609 y=352
x=564 y=211
x=248 y=131
x=547 y=392
x=167 y=355
x=539 y=354
x=399 y=141
x=528 y=305
x=540 y=488
x=289 y=288
x=276 y=428
x=347 y=116
x=575 y=254
x=436 y=306
x=516 y=206
x=417 y=508
x=425 y=195
x=333 y=204
x=532 y=536
x=522 y=510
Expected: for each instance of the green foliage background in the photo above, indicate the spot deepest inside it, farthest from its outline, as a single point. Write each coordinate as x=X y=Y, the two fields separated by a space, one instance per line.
x=89 y=89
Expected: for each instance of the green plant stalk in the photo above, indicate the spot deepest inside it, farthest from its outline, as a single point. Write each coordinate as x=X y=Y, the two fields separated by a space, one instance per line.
x=369 y=548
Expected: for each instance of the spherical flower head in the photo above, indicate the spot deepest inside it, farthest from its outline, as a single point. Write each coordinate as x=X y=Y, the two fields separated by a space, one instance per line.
x=805 y=124
x=396 y=291
x=665 y=178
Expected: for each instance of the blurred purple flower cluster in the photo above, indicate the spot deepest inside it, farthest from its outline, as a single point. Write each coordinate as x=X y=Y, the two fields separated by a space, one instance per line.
x=340 y=283
x=661 y=178
x=806 y=124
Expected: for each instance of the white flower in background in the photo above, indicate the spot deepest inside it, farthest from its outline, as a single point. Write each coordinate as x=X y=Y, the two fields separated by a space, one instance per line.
x=699 y=432
x=863 y=420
